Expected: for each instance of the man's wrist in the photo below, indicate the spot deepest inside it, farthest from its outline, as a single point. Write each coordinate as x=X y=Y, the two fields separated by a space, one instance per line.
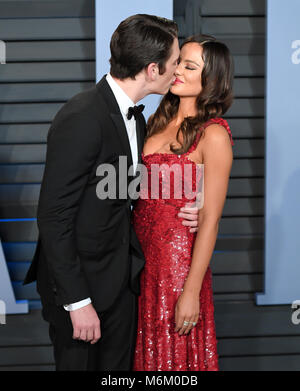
x=78 y=304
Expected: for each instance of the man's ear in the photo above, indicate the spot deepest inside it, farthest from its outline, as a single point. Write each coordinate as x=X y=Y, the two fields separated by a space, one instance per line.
x=152 y=71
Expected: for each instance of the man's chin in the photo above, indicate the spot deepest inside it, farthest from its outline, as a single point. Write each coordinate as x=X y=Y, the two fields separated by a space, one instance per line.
x=167 y=90
x=162 y=92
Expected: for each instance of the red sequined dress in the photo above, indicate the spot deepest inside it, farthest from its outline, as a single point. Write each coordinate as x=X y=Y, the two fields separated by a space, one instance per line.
x=167 y=246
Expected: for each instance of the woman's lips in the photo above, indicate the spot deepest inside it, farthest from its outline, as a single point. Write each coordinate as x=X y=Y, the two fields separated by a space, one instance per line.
x=177 y=81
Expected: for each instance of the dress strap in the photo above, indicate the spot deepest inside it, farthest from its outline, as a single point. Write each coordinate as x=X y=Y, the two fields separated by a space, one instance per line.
x=221 y=122
x=195 y=143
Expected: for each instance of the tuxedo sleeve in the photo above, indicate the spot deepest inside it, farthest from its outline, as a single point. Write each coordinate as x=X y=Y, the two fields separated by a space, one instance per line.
x=73 y=145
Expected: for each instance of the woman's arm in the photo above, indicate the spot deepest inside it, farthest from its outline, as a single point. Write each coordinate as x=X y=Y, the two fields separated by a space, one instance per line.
x=217 y=158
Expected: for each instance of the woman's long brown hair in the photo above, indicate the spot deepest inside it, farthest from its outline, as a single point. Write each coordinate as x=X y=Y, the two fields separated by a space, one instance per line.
x=213 y=101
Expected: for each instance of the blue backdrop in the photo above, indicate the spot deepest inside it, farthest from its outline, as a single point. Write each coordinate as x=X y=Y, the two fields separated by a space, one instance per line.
x=109 y=14
x=282 y=188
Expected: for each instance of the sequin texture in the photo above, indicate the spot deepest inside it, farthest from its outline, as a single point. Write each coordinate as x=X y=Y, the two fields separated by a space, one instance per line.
x=167 y=246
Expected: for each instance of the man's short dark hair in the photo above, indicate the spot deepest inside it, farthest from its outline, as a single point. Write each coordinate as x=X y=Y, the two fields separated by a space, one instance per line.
x=139 y=41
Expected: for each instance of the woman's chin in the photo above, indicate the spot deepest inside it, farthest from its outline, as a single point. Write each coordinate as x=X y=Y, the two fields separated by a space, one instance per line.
x=174 y=90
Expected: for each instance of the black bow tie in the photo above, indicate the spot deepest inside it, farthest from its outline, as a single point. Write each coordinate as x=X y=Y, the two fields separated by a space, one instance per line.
x=135 y=110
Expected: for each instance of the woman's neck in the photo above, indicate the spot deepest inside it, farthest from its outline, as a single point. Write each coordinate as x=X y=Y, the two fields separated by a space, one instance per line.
x=186 y=108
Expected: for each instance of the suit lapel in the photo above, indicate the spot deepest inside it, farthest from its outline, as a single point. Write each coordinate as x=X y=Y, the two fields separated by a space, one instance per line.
x=122 y=133
x=140 y=138
x=116 y=116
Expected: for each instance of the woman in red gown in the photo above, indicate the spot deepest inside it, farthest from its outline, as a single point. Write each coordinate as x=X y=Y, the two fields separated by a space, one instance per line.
x=176 y=329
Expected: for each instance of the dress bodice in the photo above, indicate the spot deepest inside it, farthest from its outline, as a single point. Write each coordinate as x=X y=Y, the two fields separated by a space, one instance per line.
x=175 y=179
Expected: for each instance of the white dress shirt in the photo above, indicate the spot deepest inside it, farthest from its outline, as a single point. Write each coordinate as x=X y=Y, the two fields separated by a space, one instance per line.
x=124 y=103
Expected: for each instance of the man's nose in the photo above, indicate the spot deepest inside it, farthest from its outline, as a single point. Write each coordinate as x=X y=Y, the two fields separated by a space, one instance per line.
x=177 y=70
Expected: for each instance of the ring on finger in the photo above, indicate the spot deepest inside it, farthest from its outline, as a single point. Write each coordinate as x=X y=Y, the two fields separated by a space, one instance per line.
x=185 y=323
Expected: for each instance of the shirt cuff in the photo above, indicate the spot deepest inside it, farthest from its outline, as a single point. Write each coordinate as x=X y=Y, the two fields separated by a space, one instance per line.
x=77 y=305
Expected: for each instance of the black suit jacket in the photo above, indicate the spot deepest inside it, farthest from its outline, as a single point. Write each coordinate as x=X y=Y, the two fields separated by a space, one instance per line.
x=86 y=245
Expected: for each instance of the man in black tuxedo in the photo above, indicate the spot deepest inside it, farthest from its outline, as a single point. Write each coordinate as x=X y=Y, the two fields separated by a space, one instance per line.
x=88 y=258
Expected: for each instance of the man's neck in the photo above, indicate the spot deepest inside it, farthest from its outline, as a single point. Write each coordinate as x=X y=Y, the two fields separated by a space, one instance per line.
x=135 y=89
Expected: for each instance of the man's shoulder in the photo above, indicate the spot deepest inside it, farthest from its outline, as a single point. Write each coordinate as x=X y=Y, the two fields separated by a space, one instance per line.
x=88 y=106
x=83 y=102
x=79 y=112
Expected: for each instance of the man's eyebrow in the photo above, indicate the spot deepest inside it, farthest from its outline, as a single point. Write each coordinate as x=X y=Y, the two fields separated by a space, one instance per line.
x=194 y=62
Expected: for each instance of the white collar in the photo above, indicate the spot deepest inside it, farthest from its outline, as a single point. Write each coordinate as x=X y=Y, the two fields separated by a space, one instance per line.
x=122 y=98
